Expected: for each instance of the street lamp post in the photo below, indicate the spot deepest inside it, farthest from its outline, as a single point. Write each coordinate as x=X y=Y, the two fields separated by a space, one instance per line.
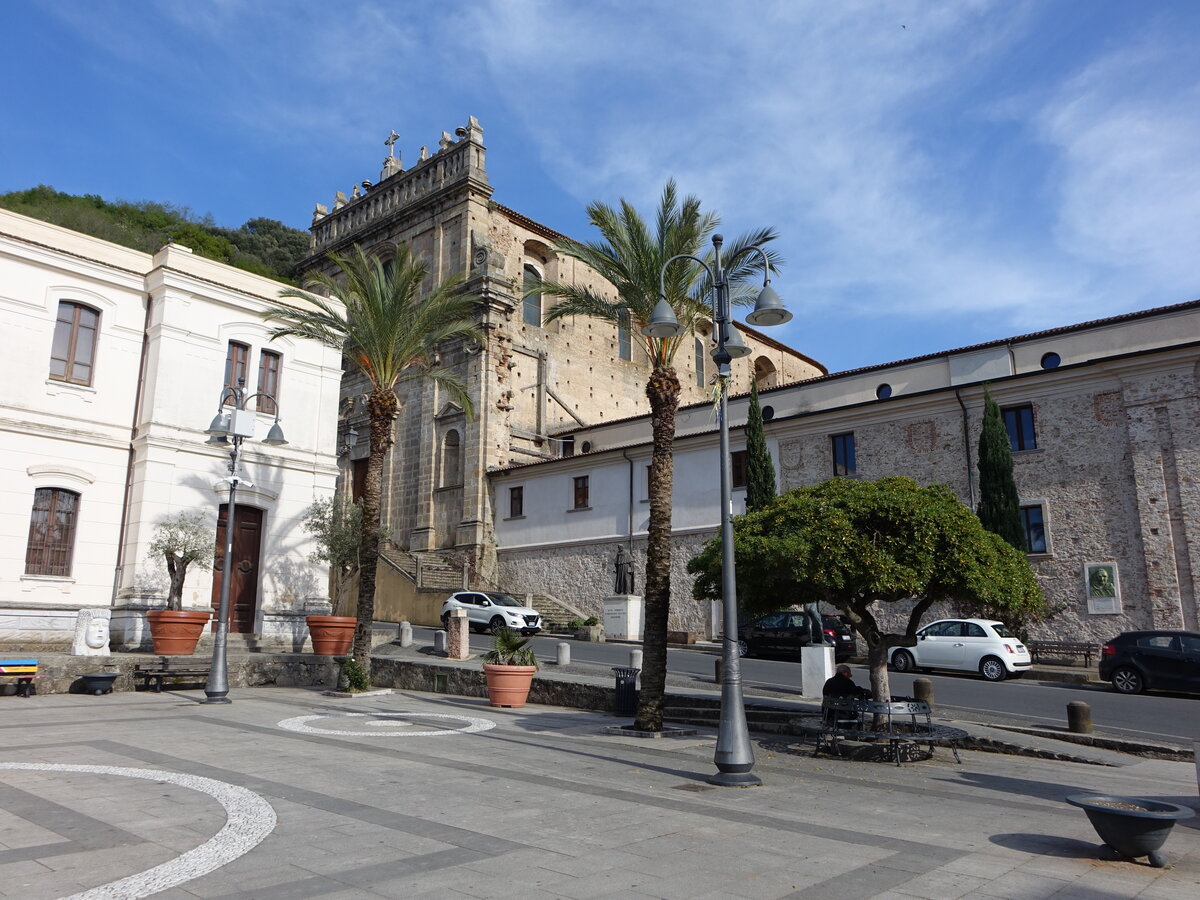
x=734 y=755
x=231 y=428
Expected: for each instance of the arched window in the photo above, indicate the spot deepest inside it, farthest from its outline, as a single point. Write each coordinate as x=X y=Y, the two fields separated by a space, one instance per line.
x=765 y=375
x=451 y=460
x=51 y=532
x=532 y=306
x=74 y=351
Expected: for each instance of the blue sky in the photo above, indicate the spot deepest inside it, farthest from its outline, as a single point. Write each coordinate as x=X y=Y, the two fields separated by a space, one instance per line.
x=940 y=173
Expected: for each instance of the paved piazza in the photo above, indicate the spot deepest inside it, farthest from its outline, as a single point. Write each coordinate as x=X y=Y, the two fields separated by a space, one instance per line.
x=287 y=793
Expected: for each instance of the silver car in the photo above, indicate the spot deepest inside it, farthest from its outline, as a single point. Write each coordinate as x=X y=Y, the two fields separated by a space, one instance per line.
x=970 y=645
x=492 y=610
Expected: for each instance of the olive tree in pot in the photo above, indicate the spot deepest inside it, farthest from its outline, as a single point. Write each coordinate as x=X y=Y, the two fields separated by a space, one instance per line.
x=180 y=539
x=508 y=668
x=336 y=526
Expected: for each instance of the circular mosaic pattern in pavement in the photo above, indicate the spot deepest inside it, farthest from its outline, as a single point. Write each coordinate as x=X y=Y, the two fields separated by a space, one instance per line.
x=394 y=722
x=248 y=819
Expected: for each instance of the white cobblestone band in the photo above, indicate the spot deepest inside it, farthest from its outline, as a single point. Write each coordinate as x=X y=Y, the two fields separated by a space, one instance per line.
x=248 y=819
x=300 y=724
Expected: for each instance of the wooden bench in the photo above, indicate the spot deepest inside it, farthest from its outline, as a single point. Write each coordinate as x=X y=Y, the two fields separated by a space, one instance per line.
x=22 y=671
x=1061 y=649
x=178 y=669
x=900 y=722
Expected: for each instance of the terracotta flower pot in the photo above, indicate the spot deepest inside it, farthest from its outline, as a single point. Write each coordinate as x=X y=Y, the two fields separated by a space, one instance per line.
x=508 y=685
x=175 y=632
x=331 y=635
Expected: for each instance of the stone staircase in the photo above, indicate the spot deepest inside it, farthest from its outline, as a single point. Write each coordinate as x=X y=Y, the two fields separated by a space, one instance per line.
x=555 y=613
x=429 y=570
x=706 y=712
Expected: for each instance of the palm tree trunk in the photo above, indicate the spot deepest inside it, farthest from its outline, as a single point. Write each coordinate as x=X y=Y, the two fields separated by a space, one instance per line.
x=381 y=407
x=663 y=392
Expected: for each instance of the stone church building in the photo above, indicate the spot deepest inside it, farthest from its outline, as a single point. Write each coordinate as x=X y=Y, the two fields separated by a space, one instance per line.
x=533 y=492
x=531 y=384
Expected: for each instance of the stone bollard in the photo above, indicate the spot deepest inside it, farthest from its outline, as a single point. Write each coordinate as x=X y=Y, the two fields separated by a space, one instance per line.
x=439 y=642
x=564 y=653
x=923 y=690
x=635 y=659
x=406 y=638
x=458 y=644
x=718 y=669
x=1079 y=717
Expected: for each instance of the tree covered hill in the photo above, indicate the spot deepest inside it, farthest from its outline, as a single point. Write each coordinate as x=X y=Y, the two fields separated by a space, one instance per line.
x=263 y=246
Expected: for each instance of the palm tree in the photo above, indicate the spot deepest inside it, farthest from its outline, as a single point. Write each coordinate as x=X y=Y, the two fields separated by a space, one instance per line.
x=630 y=258
x=389 y=331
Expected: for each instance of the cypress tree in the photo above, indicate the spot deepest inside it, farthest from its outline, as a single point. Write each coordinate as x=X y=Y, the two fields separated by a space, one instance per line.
x=999 y=509
x=760 y=471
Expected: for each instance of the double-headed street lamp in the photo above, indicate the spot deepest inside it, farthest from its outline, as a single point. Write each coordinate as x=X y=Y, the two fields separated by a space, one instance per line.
x=232 y=424
x=734 y=755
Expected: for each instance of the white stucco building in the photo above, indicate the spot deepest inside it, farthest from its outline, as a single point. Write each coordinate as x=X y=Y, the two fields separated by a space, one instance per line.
x=113 y=367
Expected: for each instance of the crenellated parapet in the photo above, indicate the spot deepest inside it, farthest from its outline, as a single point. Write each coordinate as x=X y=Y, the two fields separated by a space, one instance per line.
x=459 y=159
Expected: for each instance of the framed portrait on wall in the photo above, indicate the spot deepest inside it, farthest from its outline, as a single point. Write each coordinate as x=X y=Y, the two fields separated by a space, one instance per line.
x=1103 y=588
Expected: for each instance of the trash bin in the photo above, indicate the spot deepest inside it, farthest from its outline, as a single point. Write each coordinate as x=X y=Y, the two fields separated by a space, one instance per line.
x=626 y=700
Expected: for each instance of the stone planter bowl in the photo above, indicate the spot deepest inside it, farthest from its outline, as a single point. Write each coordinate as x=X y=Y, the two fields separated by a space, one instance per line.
x=1130 y=826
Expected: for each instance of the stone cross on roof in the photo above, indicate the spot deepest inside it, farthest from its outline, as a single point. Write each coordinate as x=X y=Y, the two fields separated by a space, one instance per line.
x=391 y=142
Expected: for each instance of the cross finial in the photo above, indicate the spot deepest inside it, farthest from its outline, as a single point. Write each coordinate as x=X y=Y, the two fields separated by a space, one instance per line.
x=390 y=142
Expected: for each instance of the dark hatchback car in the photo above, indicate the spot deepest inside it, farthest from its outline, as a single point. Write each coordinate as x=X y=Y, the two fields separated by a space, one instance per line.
x=1156 y=660
x=786 y=633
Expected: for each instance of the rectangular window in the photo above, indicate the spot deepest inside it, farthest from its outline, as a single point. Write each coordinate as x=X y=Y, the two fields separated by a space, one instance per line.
x=700 y=363
x=73 y=351
x=566 y=446
x=737 y=461
x=51 y=532
x=843 y=454
x=581 y=492
x=236 y=360
x=269 y=363
x=624 y=342
x=1034 y=524
x=516 y=502
x=532 y=305
x=1018 y=420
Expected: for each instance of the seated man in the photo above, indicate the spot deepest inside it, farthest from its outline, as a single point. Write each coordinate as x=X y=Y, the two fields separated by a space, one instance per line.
x=839 y=686
x=842 y=685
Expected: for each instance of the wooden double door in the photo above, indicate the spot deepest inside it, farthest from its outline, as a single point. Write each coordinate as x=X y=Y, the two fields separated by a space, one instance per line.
x=243 y=585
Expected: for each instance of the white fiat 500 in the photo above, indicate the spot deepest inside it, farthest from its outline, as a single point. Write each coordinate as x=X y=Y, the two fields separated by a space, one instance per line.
x=492 y=610
x=969 y=645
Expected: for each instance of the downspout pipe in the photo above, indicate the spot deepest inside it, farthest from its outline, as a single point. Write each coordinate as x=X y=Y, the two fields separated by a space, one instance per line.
x=966 y=431
x=139 y=396
x=629 y=525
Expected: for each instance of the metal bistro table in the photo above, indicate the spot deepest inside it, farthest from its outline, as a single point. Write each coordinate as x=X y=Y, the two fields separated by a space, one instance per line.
x=901 y=722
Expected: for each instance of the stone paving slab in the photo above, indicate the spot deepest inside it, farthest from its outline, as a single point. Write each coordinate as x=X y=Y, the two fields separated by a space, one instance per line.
x=423 y=795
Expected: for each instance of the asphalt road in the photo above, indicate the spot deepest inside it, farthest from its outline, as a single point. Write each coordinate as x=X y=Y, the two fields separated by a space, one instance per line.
x=1170 y=718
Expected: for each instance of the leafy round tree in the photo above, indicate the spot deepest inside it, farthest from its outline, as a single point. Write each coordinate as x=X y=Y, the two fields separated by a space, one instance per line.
x=859 y=545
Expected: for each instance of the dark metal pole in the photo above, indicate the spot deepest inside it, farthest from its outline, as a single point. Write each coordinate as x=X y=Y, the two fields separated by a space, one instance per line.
x=734 y=755
x=217 y=687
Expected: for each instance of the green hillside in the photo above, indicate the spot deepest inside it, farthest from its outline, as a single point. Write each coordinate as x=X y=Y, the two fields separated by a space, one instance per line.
x=263 y=246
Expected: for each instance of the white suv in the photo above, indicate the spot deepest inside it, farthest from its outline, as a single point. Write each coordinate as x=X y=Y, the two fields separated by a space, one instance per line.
x=492 y=610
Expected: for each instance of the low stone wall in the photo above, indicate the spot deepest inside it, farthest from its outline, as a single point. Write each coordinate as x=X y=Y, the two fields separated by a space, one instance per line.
x=464 y=681
x=60 y=673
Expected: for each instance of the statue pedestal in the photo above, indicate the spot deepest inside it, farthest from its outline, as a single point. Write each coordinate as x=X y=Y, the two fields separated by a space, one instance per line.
x=623 y=617
x=816 y=667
